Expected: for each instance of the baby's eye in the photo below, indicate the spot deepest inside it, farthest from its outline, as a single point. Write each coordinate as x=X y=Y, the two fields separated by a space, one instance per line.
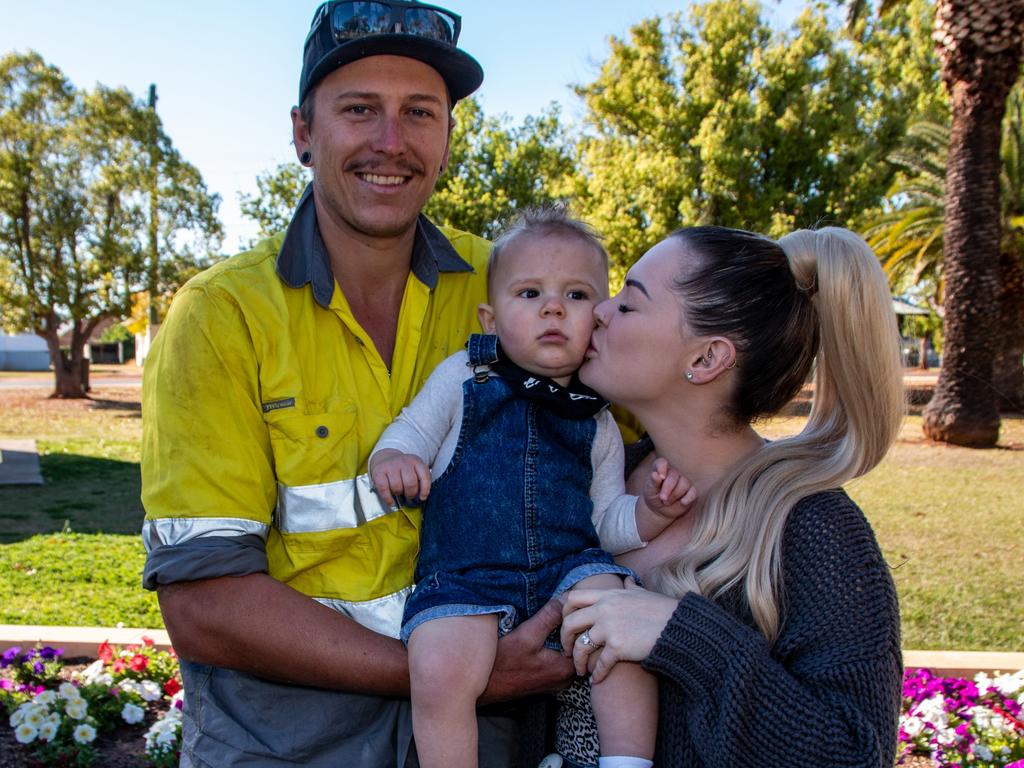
x=578 y=295
x=624 y=308
x=529 y=293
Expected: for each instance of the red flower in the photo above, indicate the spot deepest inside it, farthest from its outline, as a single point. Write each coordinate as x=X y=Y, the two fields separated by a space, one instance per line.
x=149 y=642
x=172 y=686
x=138 y=662
x=105 y=652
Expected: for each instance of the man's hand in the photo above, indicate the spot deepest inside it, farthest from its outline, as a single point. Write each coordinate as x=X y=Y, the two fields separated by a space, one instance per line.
x=523 y=666
x=399 y=474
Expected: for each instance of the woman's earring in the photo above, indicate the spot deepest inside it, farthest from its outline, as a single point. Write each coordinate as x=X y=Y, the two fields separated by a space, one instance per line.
x=689 y=375
x=305 y=158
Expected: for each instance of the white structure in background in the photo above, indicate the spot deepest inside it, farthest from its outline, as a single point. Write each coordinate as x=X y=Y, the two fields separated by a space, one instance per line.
x=143 y=341
x=23 y=352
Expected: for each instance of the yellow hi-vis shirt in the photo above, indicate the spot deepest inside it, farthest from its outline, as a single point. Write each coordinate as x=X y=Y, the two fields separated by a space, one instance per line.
x=262 y=398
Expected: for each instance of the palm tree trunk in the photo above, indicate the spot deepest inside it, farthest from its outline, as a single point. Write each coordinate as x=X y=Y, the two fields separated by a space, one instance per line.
x=979 y=44
x=963 y=410
x=1008 y=365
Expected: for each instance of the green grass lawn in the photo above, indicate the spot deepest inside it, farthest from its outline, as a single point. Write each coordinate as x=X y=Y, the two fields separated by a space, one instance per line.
x=948 y=519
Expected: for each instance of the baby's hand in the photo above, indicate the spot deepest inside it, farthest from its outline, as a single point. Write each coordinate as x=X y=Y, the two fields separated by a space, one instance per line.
x=667 y=493
x=399 y=474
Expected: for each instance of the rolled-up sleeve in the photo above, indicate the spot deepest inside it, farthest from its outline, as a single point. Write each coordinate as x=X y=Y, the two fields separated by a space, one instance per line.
x=208 y=484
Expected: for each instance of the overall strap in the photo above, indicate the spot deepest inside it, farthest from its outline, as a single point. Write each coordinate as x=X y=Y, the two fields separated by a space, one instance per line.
x=483 y=353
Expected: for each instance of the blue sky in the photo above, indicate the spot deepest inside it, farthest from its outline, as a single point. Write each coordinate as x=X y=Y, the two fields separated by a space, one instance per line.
x=227 y=71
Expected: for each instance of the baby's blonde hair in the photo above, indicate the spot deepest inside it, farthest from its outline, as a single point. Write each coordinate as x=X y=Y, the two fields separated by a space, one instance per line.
x=543 y=221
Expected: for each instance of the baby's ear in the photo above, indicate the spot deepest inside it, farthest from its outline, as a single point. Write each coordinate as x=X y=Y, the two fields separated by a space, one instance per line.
x=486 y=314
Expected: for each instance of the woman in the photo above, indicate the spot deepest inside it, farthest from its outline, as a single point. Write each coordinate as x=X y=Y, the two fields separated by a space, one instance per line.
x=774 y=629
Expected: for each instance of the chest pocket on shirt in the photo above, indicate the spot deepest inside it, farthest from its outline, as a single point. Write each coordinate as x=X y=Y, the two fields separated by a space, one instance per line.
x=319 y=448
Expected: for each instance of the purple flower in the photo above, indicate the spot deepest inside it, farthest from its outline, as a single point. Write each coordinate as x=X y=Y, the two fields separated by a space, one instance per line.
x=9 y=656
x=6 y=685
x=48 y=653
x=38 y=667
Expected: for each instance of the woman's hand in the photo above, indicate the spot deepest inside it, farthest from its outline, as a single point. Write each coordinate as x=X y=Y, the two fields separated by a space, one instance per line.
x=622 y=625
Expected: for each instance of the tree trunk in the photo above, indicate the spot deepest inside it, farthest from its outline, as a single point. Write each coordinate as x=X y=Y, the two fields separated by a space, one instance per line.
x=922 y=353
x=68 y=371
x=963 y=410
x=979 y=45
x=1008 y=365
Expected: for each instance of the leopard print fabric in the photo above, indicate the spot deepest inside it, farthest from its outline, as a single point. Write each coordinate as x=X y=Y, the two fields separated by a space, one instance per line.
x=576 y=732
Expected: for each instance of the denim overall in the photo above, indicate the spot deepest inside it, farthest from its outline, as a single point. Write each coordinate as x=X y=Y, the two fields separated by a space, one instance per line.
x=508 y=524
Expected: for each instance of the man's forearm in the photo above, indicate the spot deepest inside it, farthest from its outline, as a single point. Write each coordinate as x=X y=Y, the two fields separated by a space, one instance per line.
x=258 y=625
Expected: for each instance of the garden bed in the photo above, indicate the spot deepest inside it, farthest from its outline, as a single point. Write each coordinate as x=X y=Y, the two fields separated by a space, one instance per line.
x=123 y=711
x=120 y=711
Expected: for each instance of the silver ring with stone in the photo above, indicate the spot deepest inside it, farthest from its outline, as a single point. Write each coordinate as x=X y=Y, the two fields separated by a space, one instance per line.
x=584 y=639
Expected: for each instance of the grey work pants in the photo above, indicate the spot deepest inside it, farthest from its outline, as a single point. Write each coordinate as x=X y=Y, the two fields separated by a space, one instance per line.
x=234 y=719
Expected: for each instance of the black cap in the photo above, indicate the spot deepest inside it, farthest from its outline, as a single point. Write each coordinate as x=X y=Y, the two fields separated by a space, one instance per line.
x=323 y=54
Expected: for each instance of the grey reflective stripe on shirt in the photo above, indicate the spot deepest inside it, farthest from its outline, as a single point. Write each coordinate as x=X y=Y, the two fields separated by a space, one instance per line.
x=383 y=615
x=172 y=531
x=327 y=506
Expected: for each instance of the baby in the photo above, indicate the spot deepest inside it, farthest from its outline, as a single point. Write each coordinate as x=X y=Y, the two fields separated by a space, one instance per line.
x=519 y=470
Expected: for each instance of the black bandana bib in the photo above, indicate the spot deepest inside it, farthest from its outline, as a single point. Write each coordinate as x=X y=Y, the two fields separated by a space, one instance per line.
x=575 y=401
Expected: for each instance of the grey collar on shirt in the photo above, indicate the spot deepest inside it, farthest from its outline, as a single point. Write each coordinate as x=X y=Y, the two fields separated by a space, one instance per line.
x=303 y=255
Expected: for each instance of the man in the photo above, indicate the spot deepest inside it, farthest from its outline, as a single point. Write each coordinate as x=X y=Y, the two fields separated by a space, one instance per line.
x=280 y=575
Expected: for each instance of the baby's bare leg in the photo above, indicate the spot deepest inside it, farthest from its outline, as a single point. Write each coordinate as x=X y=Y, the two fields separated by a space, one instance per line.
x=626 y=701
x=450 y=661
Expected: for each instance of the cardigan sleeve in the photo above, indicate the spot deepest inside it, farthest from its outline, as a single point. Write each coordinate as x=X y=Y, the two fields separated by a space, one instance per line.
x=827 y=692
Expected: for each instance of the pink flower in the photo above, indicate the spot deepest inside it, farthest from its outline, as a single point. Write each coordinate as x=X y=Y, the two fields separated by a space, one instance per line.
x=138 y=662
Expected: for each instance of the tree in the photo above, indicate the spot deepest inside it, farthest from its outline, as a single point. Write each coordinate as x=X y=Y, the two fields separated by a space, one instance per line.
x=74 y=207
x=278 y=192
x=979 y=44
x=496 y=169
x=909 y=236
x=722 y=120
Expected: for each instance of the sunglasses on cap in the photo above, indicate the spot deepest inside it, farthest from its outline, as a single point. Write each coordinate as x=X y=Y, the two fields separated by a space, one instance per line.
x=352 y=19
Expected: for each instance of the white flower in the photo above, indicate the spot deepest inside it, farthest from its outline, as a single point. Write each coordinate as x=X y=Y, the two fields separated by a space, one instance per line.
x=149 y=690
x=17 y=717
x=1009 y=684
x=46 y=697
x=76 y=709
x=94 y=670
x=982 y=752
x=167 y=738
x=69 y=692
x=130 y=686
x=913 y=726
x=25 y=733
x=132 y=713
x=984 y=718
x=933 y=711
x=48 y=730
x=84 y=734
x=35 y=716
